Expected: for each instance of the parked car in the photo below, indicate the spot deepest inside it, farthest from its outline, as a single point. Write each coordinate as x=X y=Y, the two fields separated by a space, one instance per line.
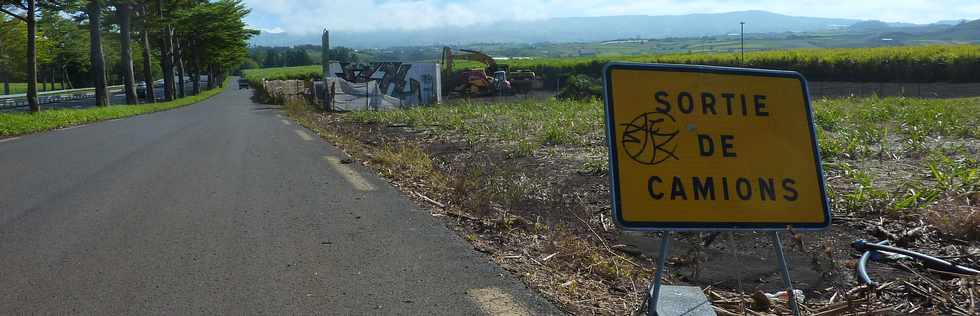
x=242 y=84
x=141 y=89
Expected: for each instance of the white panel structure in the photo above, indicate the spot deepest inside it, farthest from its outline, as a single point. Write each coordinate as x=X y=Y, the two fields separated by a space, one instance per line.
x=383 y=85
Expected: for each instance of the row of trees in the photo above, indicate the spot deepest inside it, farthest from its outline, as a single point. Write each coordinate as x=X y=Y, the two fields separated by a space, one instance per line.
x=301 y=55
x=185 y=37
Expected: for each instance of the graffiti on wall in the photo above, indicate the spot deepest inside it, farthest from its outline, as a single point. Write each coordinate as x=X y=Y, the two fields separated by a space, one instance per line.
x=414 y=83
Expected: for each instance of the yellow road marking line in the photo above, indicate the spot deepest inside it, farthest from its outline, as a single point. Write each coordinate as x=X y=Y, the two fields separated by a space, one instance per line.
x=494 y=301
x=349 y=174
x=303 y=135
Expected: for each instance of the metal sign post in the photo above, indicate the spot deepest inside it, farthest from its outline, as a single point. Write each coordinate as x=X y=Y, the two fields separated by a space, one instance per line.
x=658 y=276
x=784 y=269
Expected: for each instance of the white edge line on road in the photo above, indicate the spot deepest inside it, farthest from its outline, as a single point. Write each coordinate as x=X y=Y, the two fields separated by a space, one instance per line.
x=9 y=139
x=303 y=135
x=70 y=127
x=286 y=122
x=494 y=301
x=352 y=176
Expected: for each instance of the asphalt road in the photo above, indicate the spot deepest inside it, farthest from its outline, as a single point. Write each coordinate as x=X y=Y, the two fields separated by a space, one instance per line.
x=224 y=207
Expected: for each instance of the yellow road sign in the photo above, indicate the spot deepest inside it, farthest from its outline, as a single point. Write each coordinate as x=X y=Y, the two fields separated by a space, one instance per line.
x=701 y=147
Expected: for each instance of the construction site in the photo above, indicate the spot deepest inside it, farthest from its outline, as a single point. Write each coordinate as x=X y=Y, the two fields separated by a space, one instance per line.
x=459 y=74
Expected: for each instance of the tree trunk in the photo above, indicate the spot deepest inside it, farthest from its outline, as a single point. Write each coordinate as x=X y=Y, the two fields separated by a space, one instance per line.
x=147 y=66
x=63 y=78
x=196 y=68
x=3 y=74
x=180 y=78
x=166 y=55
x=210 y=76
x=179 y=60
x=51 y=77
x=67 y=78
x=95 y=47
x=124 y=13
x=32 y=57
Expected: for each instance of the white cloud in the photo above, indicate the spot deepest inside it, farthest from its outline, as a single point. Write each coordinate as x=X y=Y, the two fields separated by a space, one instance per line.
x=310 y=16
x=273 y=30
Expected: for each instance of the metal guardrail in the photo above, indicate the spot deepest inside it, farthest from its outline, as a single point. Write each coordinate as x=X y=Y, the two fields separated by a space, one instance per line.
x=48 y=97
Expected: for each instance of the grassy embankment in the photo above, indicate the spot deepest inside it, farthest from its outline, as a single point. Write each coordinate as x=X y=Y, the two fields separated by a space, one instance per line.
x=527 y=181
x=19 y=123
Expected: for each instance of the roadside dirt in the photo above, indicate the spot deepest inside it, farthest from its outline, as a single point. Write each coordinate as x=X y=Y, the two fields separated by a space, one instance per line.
x=545 y=218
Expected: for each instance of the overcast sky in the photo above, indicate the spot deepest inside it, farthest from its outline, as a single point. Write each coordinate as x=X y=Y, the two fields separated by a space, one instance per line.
x=311 y=16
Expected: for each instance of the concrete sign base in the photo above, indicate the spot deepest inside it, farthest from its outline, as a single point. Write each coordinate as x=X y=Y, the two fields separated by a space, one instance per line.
x=683 y=300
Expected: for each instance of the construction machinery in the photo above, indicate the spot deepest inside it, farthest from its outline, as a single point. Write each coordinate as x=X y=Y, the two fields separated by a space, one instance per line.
x=523 y=81
x=473 y=82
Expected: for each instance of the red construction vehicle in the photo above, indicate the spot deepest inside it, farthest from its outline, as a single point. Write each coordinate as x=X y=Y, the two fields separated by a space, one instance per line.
x=473 y=82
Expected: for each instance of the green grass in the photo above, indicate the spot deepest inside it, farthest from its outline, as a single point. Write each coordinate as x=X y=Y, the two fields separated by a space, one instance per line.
x=901 y=154
x=21 y=87
x=524 y=125
x=16 y=87
x=857 y=128
x=848 y=128
x=283 y=73
x=13 y=124
x=882 y=154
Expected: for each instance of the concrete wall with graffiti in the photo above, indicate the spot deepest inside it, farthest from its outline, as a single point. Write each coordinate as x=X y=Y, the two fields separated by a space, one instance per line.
x=411 y=83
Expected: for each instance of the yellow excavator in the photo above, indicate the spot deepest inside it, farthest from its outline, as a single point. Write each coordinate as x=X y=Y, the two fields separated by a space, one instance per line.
x=473 y=82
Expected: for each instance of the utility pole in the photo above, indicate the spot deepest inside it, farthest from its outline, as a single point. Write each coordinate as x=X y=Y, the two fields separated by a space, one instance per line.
x=742 y=34
x=325 y=64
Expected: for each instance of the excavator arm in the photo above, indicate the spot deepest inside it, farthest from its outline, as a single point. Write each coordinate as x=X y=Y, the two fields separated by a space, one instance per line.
x=468 y=80
x=480 y=57
x=448 y=57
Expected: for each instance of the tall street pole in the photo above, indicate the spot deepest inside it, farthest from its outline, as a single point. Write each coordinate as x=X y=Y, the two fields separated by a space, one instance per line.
x=325 y=52
x=742 y=33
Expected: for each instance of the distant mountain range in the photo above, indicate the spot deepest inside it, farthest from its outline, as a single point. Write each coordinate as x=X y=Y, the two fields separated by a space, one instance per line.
x=964 y=31
x=592 y=29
